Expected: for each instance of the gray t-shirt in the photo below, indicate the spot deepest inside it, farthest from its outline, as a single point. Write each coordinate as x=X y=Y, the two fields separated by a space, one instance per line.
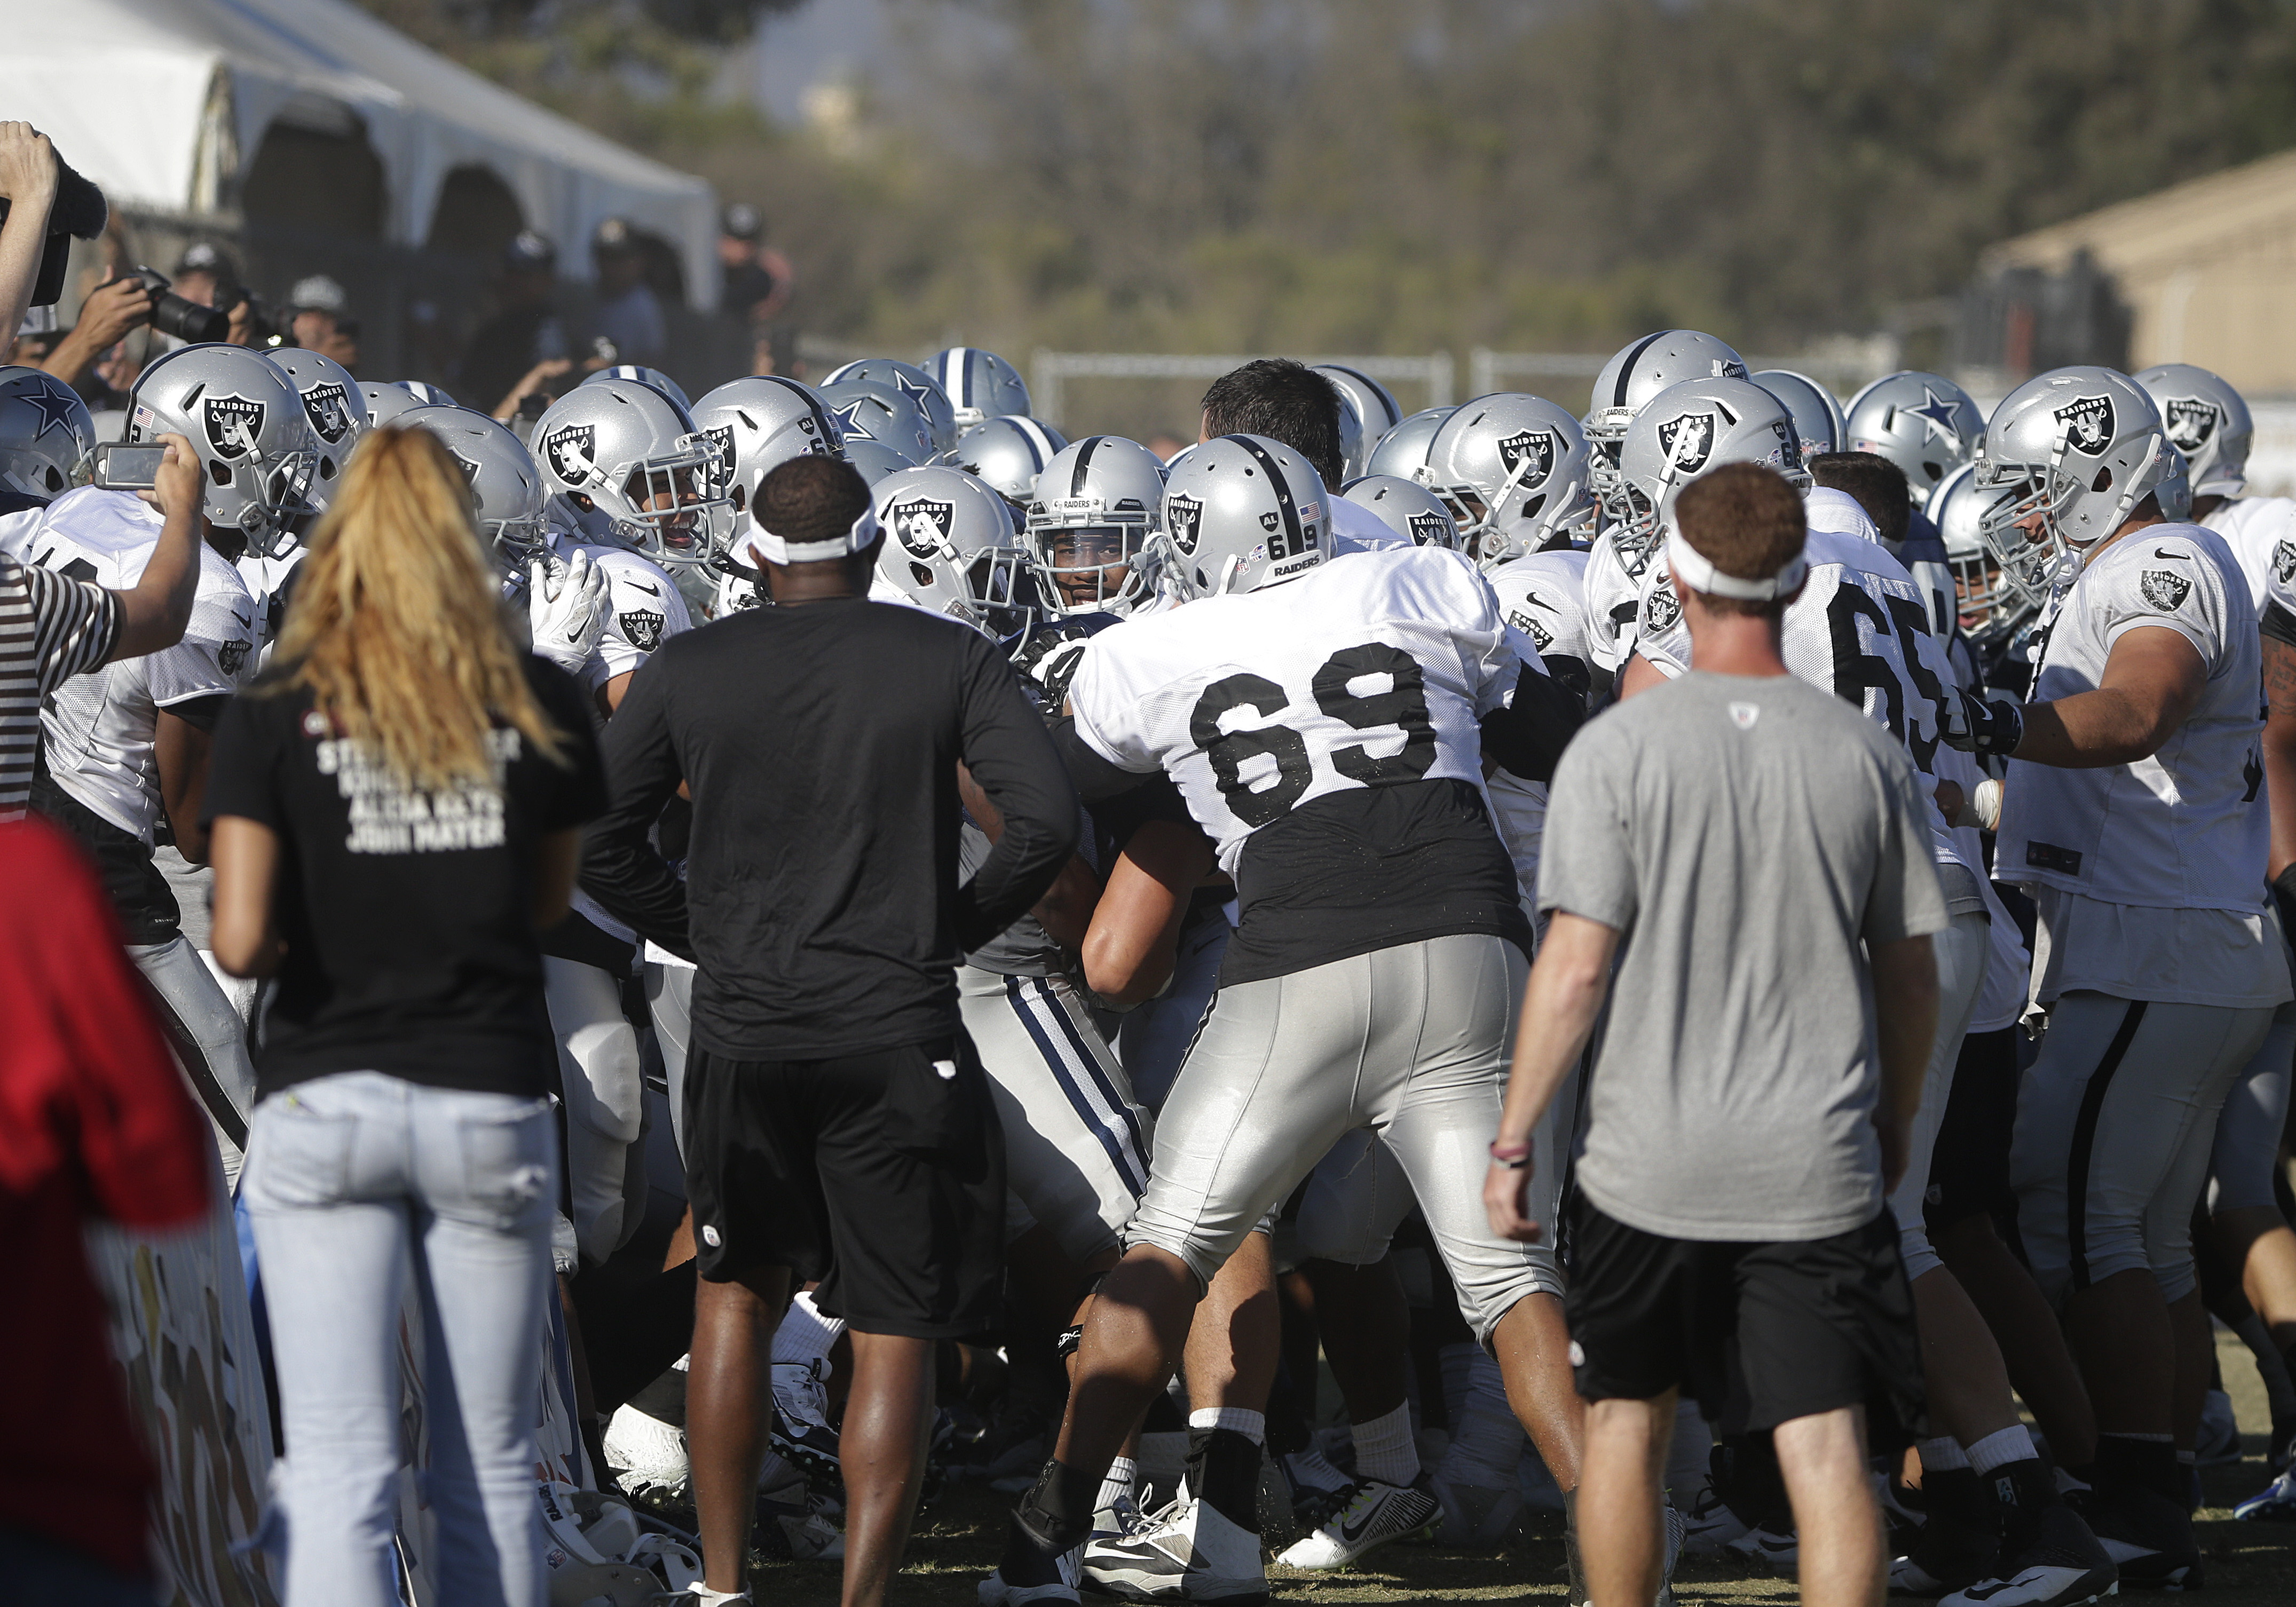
x=1744 y=834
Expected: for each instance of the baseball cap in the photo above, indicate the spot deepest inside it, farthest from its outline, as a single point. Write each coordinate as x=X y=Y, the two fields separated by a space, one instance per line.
x=530 y=251
x=204 y=257
x=612 y=235
x=317 y=293
x=741 y=221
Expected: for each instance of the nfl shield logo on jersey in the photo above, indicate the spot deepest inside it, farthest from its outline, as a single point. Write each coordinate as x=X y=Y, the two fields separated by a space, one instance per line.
x=2087 y=424
x=1528 y=457
x=330 y=411
x=568 y=452
x=924 y=526
x=233 y=423
x=1184 y=518
x=642 y=628
x=1687 y=441
x=2191 y=422
x=2164 y=590
x=1426 y=528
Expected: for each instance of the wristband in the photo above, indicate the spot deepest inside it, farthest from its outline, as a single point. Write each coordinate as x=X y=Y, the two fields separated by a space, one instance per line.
x=1514 y=1157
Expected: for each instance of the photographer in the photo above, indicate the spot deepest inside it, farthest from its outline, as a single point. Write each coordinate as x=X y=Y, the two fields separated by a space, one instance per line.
x=28 y=176
x=110 y=311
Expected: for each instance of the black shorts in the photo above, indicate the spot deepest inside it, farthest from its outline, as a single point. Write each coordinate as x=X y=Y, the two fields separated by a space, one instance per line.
x=1758 y=1334
x=1969 y=1166
x=881 y=1175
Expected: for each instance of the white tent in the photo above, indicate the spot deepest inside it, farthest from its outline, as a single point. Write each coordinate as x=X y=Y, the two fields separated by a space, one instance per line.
x=163 y=102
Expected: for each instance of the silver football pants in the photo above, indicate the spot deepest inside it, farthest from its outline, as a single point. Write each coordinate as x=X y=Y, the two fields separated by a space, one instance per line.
x=604 y=1089
x=209 y=1040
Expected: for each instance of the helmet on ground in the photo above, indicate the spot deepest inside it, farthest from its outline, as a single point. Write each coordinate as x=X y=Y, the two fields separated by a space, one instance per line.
x=644 y=375
x=1687 y=430
x=758 y=421
x=979 y=385
x=950 y=545
x=879 y=413
x=1637 y=372
x=246 y=422
x=624 y=464
x=505 y=484
x=1923 y=423
x=1513 y=469
x=906 y=380
x=1099 y=505
x=1375 y=405
x=1402 y=451
x=1244 y=511
x=1008 y=451
x=45 y=434
x=2065 y=460
x=1410 y=510
x=2207 y=421
x=1817 y=415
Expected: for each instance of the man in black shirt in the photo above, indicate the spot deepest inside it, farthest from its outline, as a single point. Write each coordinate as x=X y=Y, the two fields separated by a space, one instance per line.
x=837 y=1123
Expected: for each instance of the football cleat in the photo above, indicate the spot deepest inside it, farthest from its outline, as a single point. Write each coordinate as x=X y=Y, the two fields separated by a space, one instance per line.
x=1778 y=1549
x=646 y=1457
x=2058 y=1564
x=1710 y=1526
x=1375 y=1513
x=791 y=1523
x=1190 y=1551
x=1319 y=1489
x=1474 y=1516
x=2275 y=1503
x=2148 y=1537
x=1958 y=1543
x=802 y=1427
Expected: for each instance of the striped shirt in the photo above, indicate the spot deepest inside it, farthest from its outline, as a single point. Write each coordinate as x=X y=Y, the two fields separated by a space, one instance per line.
x=52 y=627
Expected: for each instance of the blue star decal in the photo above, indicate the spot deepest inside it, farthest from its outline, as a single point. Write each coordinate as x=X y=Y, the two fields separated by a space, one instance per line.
x=849 y=418
x=49 y=401
x=916 y=390
x=1936 y=413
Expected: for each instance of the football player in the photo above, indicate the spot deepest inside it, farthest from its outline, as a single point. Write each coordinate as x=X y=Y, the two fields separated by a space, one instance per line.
x=1094 y=526
x=1513 y=470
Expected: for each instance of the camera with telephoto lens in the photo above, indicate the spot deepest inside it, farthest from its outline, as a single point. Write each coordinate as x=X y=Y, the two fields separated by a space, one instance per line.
x=174 y=315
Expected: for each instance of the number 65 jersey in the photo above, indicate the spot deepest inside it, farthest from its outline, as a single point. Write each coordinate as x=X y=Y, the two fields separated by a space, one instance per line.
x=1326 y=734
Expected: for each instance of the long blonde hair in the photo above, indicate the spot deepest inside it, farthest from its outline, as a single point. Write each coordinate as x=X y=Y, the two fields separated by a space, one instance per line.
x=396 y=624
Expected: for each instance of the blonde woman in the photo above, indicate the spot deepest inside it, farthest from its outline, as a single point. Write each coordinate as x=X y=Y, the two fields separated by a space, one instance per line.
x=395 y=808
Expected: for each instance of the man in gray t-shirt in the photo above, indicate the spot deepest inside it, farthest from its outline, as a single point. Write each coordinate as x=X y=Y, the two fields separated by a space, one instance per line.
x=1755 y=857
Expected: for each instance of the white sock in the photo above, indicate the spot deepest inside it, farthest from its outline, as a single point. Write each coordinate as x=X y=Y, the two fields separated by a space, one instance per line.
x=2011 y=1444
x=804 y=1333
x=1487 y=1439
x=1943 y=1455
x=1384 y=1448
x=1242 y=1419
x=1117 y=1486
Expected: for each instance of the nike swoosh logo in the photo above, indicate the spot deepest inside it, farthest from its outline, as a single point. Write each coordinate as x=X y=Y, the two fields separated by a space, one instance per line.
x=2158 y=553
x=651 y=591
x=244 y=624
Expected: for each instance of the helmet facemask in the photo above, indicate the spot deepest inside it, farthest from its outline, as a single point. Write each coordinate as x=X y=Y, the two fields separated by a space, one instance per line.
x=2041 y=521
x=673 y=507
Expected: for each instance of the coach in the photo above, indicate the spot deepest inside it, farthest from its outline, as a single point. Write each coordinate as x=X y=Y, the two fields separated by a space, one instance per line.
x=837 y=1123
x=1760 y=850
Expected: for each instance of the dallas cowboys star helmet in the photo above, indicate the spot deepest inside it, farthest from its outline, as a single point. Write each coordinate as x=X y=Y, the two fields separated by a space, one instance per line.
x=1817 y=415
x=625 y=465
x=644 y=375
x=758 y=422
x=1402 y=451
x=979 y=385
x=1009 y=452
x=1099 y=505
x=1513 y=470
x=1639 y=371
x=907 y=379
x=1410 y=510
x=1923 y=423
x=879 y=413
x=1244 y=511
x=1684 y=431
x=332 y=403
x=2207 y=421
x=505 y=482
x=2065 y=460
x=1374 y=405
x=45 y=433
x=246 y=421
x=874 y=459
x=950 y=545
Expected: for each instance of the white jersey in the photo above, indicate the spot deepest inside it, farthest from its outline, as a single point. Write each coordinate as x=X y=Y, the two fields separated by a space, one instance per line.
x=2187 y=828
x=646 y=609
x=16 y=533
x=2256 y=529
x=1359 y=674
x=1544 y=608
x=1612 y=589
x=266 y=579
x=100 y=728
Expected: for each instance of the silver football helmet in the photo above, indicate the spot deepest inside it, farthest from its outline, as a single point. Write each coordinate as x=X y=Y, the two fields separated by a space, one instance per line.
x=2207 y=421
x=906 y=380
x=979 y=385
x=1687 y=430
x=1376 y=411
x=950 y=545
x=246 y=421
x=874 y=459
x=1242 y=512
x=332 y=403
x=1817 y=415
x=625 y=465
x=1402 y=451
x=1410 y=510
x=1923 y=423
x=757 y=423
x=505 y=483
x=1637 y=372
x=644 y=375
x=2174 y=491
x=45 y=434
x=386 y=399
x=872 y=411
x=1099 y=505
x=427 y=395
x=2066 y=459
x=1513 y=470
x=1009 y=452
x=1986 y=607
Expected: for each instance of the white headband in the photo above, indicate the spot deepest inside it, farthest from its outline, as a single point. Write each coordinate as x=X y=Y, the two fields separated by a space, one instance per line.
x=764 y=543
x=1694 y=571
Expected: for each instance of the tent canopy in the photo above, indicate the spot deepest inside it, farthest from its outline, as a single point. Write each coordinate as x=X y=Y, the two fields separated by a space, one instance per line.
x=165 y=102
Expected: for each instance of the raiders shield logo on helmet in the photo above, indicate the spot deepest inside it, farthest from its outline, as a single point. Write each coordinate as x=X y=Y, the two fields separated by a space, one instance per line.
x=1184 y=518
x=722 y=436
x=1426 y=529
x=1531 y=625
x=1687 y=441
x=2284 y=562
x=922 y=526
x=642 y=628
x=330 y=411
x=2087 y=424
x=2191 y=421
x=568 y=452
x=2164 y=590
x=1532 y=448
x=1663 y=612
x=233 y=424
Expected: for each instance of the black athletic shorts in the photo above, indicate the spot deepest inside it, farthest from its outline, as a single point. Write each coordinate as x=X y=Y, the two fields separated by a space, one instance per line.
x=883 y=1175
x=1807 y=1326
x=1969 y=1166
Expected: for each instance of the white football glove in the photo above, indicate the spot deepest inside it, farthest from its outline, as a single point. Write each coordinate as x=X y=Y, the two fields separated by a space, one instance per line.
x=567 y=613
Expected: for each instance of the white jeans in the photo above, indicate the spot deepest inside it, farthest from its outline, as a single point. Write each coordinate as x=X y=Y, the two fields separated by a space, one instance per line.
x=353 y=1181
